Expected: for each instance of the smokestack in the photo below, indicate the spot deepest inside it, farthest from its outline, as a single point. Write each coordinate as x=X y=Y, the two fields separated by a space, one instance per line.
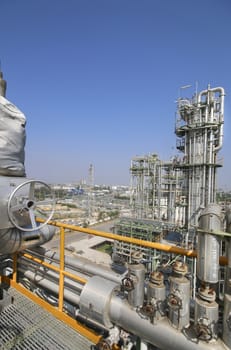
x=2 y=85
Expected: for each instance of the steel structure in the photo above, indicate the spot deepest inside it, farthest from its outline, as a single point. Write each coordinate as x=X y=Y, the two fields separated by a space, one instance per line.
x=135 y=309
x=199 y=128
x=178 y=190
x=131 y=310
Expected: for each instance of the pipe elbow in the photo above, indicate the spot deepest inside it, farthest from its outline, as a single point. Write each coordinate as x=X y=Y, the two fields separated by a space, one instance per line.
x=13 y=240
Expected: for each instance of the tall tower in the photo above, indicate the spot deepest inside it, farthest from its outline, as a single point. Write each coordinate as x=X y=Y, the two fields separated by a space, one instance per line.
x=199 y=128
x=90 y=191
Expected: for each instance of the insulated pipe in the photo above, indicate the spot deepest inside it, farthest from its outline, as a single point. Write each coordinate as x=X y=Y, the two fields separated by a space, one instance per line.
x=24 y=260
x=86 y=266
x=221 y=120
x=73 y=298
x=226 y=334
x=161 y=335
x=228 y=252
x=208 y=244
x=210 y=167
x=222 y=97
x=52 y=276
x=13 y=240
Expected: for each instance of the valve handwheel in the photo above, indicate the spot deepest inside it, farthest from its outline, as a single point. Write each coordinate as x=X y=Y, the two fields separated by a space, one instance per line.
x=28 y=200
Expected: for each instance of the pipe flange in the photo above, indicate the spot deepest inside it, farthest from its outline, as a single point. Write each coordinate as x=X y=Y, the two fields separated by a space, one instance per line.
x=207 y=294
x=127 y=284
x=157 y=278
x=174 y=302
x=180 y=268
x=148 y=310
x=203 y=330
x=137 y=256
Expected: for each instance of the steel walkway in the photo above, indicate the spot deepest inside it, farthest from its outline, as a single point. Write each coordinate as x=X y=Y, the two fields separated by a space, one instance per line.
x=24 y=325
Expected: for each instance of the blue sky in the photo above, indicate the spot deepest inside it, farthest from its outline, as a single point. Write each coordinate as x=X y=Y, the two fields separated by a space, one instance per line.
x=98 y=79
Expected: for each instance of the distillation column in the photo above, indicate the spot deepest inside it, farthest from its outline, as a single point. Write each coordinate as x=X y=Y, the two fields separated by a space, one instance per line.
x=200 y=129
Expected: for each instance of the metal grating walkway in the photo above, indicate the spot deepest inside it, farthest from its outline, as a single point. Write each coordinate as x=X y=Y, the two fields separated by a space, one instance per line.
x=24 y=325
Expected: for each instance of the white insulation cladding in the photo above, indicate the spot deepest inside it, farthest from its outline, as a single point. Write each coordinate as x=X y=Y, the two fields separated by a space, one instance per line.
x=12 y=139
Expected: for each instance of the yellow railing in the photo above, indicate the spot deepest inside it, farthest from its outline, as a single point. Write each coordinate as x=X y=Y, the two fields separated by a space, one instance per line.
x=154 y=245
x=58 y=312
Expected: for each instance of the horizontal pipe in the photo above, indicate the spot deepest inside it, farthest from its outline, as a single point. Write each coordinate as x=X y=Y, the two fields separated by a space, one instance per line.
x=52 y=276
x=45 y=283
x=160 y=334
x=85 y=266
x=53 y=267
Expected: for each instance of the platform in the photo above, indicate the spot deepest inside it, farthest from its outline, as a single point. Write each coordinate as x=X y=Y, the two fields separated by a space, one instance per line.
x=27 y=326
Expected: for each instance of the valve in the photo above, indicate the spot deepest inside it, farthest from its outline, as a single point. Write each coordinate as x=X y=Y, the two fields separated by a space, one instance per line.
x=24 y=203
x=174 y=301
x=127 y=284
x=149 y=311
x=203 y=330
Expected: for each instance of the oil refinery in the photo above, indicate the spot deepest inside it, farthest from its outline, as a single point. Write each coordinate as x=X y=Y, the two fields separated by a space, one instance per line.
x=169 y=282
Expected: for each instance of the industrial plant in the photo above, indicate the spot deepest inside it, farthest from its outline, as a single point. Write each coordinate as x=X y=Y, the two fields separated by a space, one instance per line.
x=169 y=282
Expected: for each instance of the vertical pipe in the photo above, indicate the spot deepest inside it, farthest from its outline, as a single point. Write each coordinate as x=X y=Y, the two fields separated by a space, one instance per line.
x=204 y=195
x=62 y=267
x=14 y=277
x=227 y=297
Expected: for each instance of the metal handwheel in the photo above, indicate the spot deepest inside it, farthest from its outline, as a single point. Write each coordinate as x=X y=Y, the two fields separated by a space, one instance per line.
x=28 y=200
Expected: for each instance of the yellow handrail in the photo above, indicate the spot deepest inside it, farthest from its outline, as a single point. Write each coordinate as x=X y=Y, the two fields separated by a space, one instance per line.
x=141 y=242
x=58 y=312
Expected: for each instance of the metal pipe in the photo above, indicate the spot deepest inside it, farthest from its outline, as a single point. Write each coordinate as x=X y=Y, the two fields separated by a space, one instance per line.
x=210 y=167
x=13 y=240
x=45 y=283
x=221 y=118
x=226 y=336
x=161 y=335
x=52 y=276
x=86 y=266
x=208 y=244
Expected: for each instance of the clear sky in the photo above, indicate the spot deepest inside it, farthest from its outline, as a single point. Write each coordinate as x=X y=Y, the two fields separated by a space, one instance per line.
x=98 y=79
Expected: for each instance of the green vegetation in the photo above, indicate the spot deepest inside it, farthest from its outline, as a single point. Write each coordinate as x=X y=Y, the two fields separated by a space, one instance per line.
x=105 y=247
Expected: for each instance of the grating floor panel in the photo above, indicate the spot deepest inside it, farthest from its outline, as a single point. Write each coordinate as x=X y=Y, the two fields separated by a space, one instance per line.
x=26 y=326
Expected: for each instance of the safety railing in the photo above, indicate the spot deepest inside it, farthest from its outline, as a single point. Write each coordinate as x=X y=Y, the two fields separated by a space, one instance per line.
x=58 y=311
